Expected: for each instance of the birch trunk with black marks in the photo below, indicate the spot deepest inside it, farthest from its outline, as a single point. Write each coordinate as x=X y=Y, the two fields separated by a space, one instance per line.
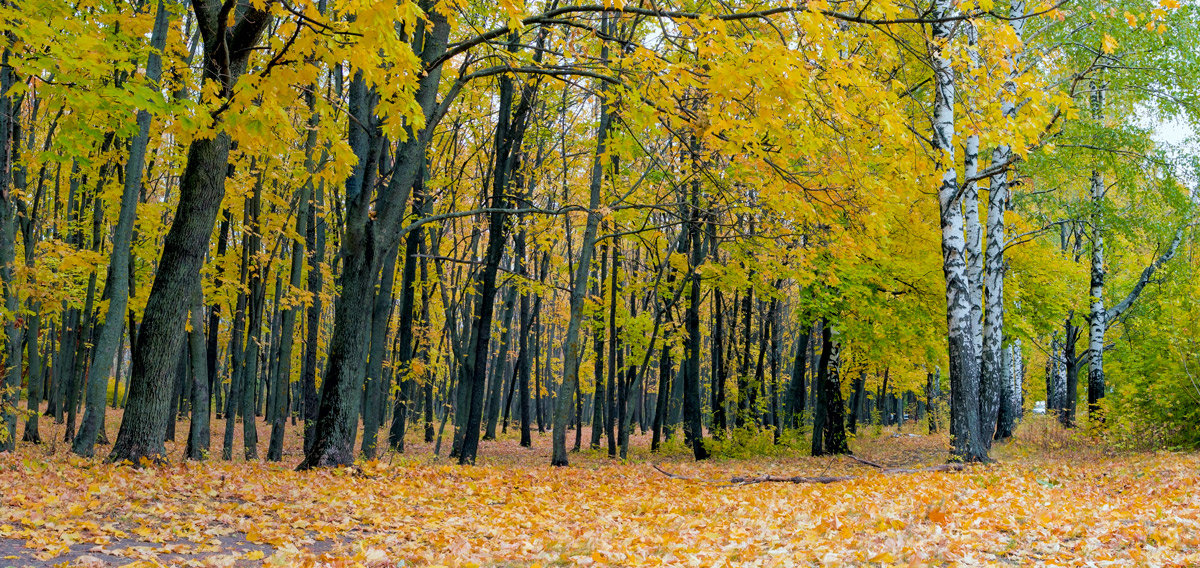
x=964 y=360
x=995 y=389
x=988 y=392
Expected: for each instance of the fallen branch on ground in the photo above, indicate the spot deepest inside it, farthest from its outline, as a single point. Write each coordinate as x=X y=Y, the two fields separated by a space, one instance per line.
x=865 y=462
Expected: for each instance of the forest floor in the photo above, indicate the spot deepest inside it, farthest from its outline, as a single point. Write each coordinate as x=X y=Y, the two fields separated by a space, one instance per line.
x=1051 y=498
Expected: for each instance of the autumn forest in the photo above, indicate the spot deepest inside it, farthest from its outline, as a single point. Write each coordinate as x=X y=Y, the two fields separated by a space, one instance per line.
x=736 y=282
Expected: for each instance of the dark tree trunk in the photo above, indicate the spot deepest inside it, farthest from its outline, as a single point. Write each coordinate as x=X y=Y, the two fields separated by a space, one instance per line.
x=179 y=380
x=499 y=364
x=288 y=319
x=599 y=394
x=693 y=424
x=855 y=401
x=832 y=425
x=428 y=379
x=314 y=241
x=236 y=353
x=257 y=301
x=743 y=381
x=413 y=243
x=341 y=391
x=381 y=316
x=9 y=143
x=198 y=433
x=539 y=410
x=214 y=317
x=614 y=346
x=522 y=369
x=794 y=406
x=719 y=371
x=819 y=401
x=1071 y=361
x=365 y=234
x=143 y=428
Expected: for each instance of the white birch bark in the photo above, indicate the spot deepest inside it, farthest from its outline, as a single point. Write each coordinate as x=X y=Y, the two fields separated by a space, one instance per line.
x=1098 y=320
x=964 y=362
x=1060 y=379
x=1017 y=380
x=992 y=385
x=970 y=205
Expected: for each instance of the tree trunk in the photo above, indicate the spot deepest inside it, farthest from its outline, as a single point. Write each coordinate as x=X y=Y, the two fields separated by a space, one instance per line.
x=381 y=316
x=499 y=364
x=693 y=428
x=314 y=241
x=719 y=370
x=794 y=405
x=614 y=347
x=341 y=391
x=118 y=281
x=573 y=343
x=214 y=318
x=599 y=396
x=413 y=243
x=988 y=391
x=237 y=352
x=337 y=415
x=964 y=359
x=143 y=428
x=198 y=433
x=9 y=125
x=288 y=323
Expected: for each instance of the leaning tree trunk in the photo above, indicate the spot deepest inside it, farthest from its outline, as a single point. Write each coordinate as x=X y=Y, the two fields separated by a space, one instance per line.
x=573 y=343
x=404 y=331
x=202 y=187
x=118 y=282
x=337 y=413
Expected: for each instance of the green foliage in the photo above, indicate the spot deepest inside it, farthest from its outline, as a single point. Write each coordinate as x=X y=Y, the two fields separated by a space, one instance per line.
x=743 y=443
x=1154 y=378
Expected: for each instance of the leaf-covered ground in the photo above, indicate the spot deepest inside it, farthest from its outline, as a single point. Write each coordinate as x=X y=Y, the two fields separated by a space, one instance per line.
x=1039 y=504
